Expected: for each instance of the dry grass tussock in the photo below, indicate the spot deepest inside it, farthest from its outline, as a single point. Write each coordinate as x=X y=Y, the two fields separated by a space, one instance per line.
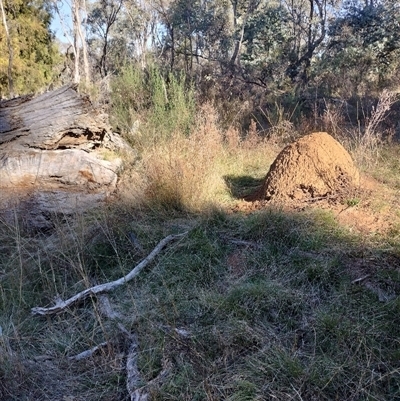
x=283 y=304
x=35 y=355
x=366 y=139
x=187 y=172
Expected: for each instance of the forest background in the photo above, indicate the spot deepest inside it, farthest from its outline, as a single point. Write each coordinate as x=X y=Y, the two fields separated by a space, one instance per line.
x=298 y=57
x=286 y=302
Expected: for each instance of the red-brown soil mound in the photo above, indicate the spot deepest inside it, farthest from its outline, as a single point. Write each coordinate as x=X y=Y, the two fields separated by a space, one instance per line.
x=312 y=167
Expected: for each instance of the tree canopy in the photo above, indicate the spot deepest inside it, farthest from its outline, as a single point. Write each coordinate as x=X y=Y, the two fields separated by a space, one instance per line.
x=34 y=51
x=273 y=45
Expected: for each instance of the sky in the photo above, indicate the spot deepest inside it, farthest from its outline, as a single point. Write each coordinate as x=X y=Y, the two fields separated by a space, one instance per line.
x=57 y=25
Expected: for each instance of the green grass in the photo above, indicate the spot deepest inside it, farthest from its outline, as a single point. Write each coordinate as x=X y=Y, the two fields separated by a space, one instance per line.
x=261 y=305
x=274 y=316
x=388 y=169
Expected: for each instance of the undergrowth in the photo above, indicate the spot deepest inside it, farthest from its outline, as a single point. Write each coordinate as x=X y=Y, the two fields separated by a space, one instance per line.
x=268 y=305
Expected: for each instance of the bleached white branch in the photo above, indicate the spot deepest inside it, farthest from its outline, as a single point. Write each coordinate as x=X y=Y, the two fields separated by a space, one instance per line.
x=106 y=287
x=106 y=309
x=88 y=353
x=359 y=280
x=134 y=380
x=137 y=389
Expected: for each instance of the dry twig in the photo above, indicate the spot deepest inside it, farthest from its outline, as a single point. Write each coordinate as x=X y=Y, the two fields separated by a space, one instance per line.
x=360 y=279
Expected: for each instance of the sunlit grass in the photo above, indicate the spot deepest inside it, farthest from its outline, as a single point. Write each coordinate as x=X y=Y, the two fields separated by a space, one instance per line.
x=274 y=303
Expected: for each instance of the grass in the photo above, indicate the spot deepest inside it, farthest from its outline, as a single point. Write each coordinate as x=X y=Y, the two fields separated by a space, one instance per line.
x=274 y=317
x=388 y=168
x=270 y=304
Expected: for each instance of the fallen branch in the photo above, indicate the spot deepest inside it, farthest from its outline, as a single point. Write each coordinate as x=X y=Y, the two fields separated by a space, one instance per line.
x=359 y=280
x=134 y=383
x=106 y=287
x=137 y=389
x=106 y=309
x=88 y=353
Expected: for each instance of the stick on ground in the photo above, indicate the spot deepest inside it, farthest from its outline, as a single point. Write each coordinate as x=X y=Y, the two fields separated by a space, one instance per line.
x=106 y=287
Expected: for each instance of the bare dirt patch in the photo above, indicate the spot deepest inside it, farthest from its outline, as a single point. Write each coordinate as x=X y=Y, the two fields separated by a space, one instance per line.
x=370 y=209
x=375 y=211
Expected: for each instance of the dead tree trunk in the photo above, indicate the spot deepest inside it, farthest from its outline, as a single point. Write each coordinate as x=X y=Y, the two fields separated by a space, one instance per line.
x=50 y=142
x=58 y=119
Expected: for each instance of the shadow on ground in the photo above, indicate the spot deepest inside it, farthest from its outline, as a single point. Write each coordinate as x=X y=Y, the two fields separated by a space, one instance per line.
x=242 y=186
x=285 y=298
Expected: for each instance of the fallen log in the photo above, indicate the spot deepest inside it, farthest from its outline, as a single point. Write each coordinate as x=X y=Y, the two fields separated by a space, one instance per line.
x=60 y=119
x=51 y=142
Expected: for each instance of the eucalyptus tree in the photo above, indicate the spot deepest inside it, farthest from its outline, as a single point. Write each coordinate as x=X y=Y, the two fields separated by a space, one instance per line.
x=140 y=25
x=28 y=55
x=195 y=33
x=101 y=18
x=203 y=32
x=75 y=34
x=79 y=12
x=268 y=42
x=309 y=21
x=10 y=50
x=364 y=45
x=184 y=21
x=242 y=11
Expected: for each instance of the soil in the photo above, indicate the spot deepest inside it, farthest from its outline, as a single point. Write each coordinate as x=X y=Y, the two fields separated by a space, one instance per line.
x=368 y=210
x=317 y=172
x=315 y=166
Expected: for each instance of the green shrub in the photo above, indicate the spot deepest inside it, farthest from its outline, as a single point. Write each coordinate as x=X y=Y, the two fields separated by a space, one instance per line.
x=149 y=106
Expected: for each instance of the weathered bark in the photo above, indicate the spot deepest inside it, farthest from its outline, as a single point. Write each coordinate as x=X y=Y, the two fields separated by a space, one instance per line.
x=50 y=142
x=58 y=119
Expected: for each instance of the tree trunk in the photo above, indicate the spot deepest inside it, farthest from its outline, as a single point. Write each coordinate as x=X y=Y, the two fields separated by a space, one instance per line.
x=58 y=119
x=86 y=66
x=250 y=9
x=10 y=52
x=75 y=24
